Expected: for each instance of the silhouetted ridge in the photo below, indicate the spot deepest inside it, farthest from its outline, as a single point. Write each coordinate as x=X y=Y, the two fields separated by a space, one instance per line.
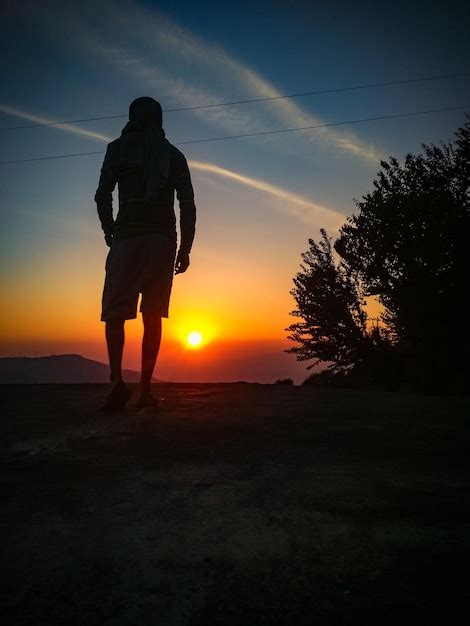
x=60 y=368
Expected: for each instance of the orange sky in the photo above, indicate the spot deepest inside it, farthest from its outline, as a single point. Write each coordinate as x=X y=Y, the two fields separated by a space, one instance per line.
x=259 y=198
x=236 y=295
x=236 y=291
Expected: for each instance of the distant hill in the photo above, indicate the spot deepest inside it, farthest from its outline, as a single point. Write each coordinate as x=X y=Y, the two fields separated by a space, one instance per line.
x=60 y=368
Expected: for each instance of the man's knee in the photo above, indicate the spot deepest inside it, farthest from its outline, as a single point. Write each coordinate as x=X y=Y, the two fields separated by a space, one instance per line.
x=151 y=315
x=115 y=323
x=151 y=320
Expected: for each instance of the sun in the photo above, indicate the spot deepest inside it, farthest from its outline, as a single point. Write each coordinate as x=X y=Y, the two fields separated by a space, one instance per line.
x=195 y=330
x=194 y=338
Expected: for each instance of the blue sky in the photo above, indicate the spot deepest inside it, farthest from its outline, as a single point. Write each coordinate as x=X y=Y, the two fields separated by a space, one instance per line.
x=259 y=199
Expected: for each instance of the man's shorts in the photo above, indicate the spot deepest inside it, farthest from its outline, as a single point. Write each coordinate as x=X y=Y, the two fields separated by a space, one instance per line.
x=142 y=263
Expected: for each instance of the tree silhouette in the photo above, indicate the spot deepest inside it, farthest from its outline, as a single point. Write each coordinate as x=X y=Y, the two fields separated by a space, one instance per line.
x=408 y=246
x=328 y=300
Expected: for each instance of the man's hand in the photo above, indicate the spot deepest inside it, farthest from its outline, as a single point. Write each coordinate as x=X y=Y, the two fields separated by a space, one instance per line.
x=182 y=262
x=108 y=237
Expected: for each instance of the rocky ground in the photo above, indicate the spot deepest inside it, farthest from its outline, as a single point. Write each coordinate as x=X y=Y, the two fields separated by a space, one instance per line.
x=237 y=504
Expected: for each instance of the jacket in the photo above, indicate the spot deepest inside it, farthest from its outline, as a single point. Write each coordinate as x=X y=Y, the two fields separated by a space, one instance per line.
x=123 y=165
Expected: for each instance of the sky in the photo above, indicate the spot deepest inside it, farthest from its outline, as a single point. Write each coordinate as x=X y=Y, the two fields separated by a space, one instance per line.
x=259 y=199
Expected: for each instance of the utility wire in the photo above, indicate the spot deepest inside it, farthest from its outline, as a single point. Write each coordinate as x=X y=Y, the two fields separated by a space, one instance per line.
x=234 y=102
x=56 y=156
x=290 y=130
x=265 y=132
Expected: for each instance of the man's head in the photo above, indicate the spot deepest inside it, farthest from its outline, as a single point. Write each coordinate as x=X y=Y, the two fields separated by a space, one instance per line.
x=147 y=111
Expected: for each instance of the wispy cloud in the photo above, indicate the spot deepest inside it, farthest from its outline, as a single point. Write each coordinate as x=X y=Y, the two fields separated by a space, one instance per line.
x=297 y=206
x=181 y=43
x=41 y=119
x=294 y=205
x=169 y=59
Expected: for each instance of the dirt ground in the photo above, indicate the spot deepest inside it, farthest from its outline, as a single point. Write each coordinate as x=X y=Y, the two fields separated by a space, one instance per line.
x=239 y=504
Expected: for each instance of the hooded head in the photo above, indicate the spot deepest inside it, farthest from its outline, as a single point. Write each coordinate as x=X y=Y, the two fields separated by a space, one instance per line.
x=146 y=111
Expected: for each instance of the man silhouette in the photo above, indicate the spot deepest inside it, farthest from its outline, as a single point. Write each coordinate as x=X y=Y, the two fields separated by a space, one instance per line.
x=142 y=239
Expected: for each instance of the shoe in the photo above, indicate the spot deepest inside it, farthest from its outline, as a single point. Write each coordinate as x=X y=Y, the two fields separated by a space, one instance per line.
x=118 y=398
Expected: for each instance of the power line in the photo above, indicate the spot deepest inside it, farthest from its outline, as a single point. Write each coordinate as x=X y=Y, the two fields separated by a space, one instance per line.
x=257 y=134
x=290 y=130
x=267 y=99
x=56 y=156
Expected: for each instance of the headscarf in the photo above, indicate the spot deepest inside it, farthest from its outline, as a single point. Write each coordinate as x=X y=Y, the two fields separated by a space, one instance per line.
x=144 y=145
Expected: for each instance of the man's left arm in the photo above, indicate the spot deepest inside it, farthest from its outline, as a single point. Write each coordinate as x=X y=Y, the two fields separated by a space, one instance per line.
x=104 y=196
x=185 y=195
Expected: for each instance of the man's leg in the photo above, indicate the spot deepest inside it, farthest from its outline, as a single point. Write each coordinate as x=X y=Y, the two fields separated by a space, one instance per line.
x=120 y=394
x=150 y=347
x=115 y=342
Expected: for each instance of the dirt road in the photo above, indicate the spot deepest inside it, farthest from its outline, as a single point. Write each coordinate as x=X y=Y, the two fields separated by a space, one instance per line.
x=238 y=504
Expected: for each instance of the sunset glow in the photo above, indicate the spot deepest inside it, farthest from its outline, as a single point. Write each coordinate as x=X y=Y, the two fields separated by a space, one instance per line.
x=260 y=193
x=194 y=339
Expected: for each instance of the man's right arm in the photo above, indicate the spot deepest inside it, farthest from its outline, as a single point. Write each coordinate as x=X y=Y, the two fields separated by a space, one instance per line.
x=104 y=195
